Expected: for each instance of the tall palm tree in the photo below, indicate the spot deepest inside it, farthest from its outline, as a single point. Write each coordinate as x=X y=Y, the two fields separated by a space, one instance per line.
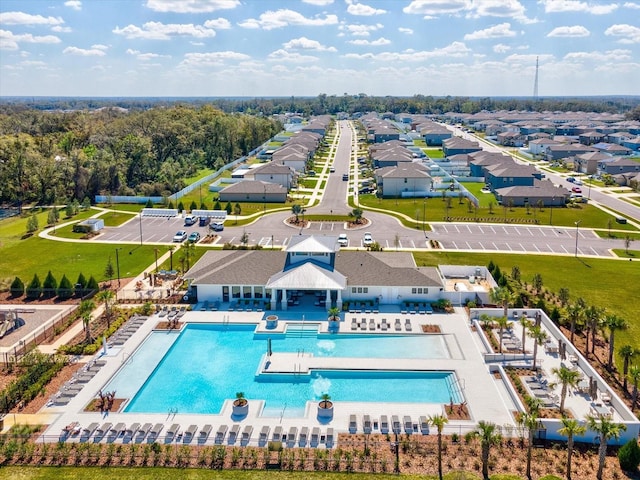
x=592 y=315
x=634 y=376
x=107 y=297
x=575 y=313
x=525 y=323
x=539 y=336
x=567 y=378
x=614 y=324
x=502 y=322
x=489 y=435
x=85 y=309
x=606 y=428
x=502 y=296
x=626 y=352
x=530 y=422
x=486 y=320
x=570 y=428
x=439 y=421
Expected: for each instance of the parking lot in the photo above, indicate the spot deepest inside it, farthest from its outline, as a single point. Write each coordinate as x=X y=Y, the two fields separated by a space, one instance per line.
x=150 y=230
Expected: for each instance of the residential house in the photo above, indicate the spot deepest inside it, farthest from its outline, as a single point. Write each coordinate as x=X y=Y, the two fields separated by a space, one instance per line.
x=274 y=173
x=539 y=145
x=456 y=145
x=619 y=166
x=588 y=162
x=254 y=191
x=611 y=148
x=478 y=161
x=510 y=174
x=542 y=192
x=404 y=180
x=511 y=139
x=558 y=152
x=292 y=155
x=433 y=133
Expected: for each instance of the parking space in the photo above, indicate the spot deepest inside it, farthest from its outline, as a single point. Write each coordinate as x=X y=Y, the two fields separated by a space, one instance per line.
x=150 y=230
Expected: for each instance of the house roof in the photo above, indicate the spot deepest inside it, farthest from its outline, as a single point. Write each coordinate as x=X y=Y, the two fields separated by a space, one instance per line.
x=540 y=189
x=254 y=186
x=308 y=275
x=271 y=168
x=313 y=243
x=514 y=170
x=404 y=170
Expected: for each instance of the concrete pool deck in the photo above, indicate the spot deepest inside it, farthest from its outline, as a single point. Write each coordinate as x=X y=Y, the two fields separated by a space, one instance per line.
x=487 y=397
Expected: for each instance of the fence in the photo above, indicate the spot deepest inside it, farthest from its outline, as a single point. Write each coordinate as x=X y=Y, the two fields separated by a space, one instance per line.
x=126 y=199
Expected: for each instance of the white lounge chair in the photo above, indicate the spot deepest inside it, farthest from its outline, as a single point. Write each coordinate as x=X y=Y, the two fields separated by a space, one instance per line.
x=204 y=433
x=264 y=436
x=189 y=433
x=315 y=437
x=277 y=434
x=246 y=435
x=366 y=424
x=353 y=424
x=220 y=434
x=384 y=424
x=424 y=425
x=396 y=427
x=291 y=436
x=115 y=432
x=408 y=424
x=142 y=432
x=330 y=438
x=101 y=431
x=154 y=433
x=233 y=434
x=87 y=431
x=171 y=433
x=397 y=325
x=130 y=432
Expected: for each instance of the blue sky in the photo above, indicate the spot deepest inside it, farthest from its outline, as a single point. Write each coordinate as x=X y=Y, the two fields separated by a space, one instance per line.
x=312 y=47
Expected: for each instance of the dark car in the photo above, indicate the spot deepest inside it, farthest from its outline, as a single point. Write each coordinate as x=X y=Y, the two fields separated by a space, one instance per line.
x=194 y=237
x=204 y=221
x=345 y=177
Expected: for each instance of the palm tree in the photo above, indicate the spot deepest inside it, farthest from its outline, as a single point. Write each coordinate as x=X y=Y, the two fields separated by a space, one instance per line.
x=606 y=428
x=575 y=313
x=502 y=296
x=614 y=324
x=334 y=313
x=486 y=320
x=296 y=210
x=84 y=310
x=503 y=322
x=489 y=435
x=634 y=376
x=539 y=336
x=592 y=315
x=567 y=378
x=525 y=323
x=626 y=352
x=439 y=421
x=570 y=428
x=530 y=421
x=107 y=297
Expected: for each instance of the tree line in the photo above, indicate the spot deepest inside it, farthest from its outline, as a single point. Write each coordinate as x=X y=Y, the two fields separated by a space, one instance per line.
x=54 y=157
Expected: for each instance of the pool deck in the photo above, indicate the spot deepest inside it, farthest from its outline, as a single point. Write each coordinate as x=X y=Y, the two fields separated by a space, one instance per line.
x=486 y=396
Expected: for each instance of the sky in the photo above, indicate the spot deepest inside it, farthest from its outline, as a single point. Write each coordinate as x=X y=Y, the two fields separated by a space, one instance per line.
x=268 y=48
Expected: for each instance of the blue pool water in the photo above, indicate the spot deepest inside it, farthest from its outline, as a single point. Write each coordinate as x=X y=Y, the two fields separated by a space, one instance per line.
x=197 y=370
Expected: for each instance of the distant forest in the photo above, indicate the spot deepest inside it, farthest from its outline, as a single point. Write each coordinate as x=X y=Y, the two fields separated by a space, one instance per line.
x=52 y=157
x=54 y=150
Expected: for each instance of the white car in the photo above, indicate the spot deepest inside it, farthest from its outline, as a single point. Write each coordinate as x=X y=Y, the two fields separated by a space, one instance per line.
x=367 y=240
x=343 y=240
x=180 y=236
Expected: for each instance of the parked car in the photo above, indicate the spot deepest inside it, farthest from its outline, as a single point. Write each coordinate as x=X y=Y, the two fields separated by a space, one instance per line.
x=345 y=177
x=194 y=237
x=576 y=190
x=190 y=220
x=577 y=182
x=343 y=240
x=367 y=240
x=216 y=226
x=180 y=236
x=571 y=179
x=332 y=169
x=204 y=221
x=366 y=190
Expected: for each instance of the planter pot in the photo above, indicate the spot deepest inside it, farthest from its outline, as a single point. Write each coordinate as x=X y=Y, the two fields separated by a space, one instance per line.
x=240 y=410
x=272 y=322
x=325 y=410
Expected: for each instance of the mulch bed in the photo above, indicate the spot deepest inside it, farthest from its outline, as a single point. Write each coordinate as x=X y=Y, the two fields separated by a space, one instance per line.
x=430 y=328
x=93 y=405
x=168 y=325
x=457 y=411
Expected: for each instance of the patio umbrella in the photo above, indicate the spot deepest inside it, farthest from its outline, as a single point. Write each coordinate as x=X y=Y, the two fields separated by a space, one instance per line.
x=269 y=352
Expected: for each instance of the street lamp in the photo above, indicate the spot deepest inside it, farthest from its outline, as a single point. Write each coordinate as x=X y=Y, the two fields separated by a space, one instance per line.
x=118 y=265
x=553 y=201
x=140 y=228
x=577 y=231
x=424 y=216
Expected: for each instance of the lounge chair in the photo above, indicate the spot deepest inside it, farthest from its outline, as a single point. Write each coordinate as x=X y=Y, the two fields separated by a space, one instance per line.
x=171 y=433
x=220 y=434
x=304 y=433
x=354 y=324
x=87 y=431
x=397 y=325
x=372 y=324
x=246 y=435
x=101 y=431
x=277 y=434
x=424 y=425
x=330 y=438
x=366 y=424
x=130 y=432
x=396 y=427
x=144 y=429
x=189 y=433
x=315 y=437
x=384 y=424
x=204 y=433
x=291 y=436
x=407 y=325
x=384 y=326
x=233 y=434
x=363 y=324
x=408 y=424
x=116 y=431
x=353 y=425
x=264 y=436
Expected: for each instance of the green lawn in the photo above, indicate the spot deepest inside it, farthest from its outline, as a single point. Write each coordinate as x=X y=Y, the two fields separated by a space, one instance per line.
x=201 y=174
x=601 y=282
x=115 y=219
x=434 y=152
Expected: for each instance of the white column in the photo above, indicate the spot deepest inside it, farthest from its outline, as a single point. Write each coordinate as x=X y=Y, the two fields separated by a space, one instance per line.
x=339 y=300
x=328 y=302
x=284 y=299
x=274 y=299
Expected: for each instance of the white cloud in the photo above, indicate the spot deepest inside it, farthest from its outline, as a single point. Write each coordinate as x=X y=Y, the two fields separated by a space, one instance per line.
x=83 y=52
x=361 y=30
x=218 y=24
x=528 y=59
x=319 y=3
x=292 y=57
x=408 y=31
x=304 y=43
x=100 y=46
x=191 y=6
x=374 y=43
x=501 y=48
x=560 y=6
x=212 y=58
x=567 y=31
x=74 y=4
x=599 y=57
x=632 y=5
x=455 y=49
x=284 y=17
x=364 y=10
x=11 y=41
x=499 y=8
x=497 y=31
x=161 y=31
x=145 y=56
x=21 y=18
x=436 y=7
x=628 y=33
x=61 y=29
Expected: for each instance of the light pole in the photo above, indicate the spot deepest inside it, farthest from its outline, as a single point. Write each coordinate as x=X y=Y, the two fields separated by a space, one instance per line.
x=553 y=200
x=118 y=265
x=577 y=232
x=424 y=216
x=140 y=228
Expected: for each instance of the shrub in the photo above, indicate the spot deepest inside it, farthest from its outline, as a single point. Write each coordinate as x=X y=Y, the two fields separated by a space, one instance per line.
x=17 y=287
x=65 y=289
x=92 y=284
x=629 y=456
x=50 y=285
x=34 y=289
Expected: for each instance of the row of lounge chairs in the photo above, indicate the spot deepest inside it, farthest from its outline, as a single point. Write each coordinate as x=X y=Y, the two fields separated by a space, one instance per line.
x=71 y=388
x=172 y=313
x=383 y=325
x=127 y=330
x=290 y=437
x=369 y=425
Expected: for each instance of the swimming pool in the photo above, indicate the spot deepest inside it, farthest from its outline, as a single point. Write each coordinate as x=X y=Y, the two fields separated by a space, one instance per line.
x=197 y=370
